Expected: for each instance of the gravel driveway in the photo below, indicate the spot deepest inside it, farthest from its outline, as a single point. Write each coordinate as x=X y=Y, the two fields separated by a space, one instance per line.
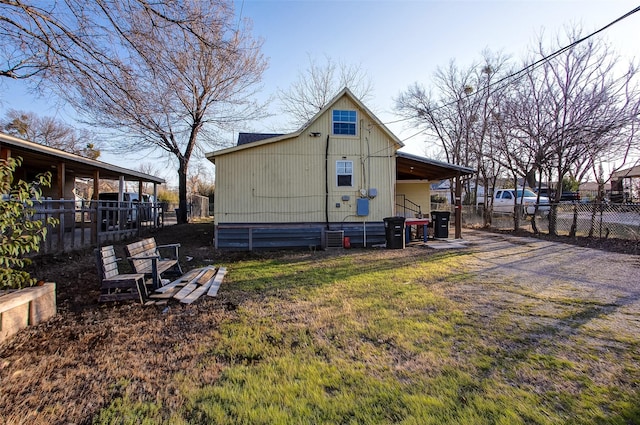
x=595 y=290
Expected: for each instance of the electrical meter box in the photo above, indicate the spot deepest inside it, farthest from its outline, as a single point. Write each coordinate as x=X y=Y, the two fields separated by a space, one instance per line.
x=362 y=207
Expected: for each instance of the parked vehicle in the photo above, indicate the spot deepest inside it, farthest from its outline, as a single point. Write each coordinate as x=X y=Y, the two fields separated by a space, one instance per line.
x=132 y=205
x=505 y=200
x=565 y=196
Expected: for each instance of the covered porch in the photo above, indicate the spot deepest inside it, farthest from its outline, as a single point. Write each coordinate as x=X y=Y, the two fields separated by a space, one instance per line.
x=413 y=195
x=80 y=219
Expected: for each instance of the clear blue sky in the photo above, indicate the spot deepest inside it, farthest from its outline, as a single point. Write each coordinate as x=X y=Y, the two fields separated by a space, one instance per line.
x=396 y=43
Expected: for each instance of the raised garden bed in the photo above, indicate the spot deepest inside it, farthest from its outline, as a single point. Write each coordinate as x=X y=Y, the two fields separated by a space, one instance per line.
x=26 y=307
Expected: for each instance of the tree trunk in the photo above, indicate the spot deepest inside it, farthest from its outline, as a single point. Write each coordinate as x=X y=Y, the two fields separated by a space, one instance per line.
x=181 y=214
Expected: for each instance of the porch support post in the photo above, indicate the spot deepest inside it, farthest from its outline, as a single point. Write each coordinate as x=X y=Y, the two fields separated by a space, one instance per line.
x=96 y=184
x=96 y=218
x=121 y=189
x=62 y=181
x=458 y=207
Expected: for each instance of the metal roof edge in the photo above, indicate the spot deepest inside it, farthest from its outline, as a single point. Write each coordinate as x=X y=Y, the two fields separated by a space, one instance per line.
x=36 y=147
x=462 y=169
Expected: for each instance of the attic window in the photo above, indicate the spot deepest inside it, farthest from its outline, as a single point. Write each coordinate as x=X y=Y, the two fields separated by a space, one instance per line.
x=344 y=122
x=344 y=172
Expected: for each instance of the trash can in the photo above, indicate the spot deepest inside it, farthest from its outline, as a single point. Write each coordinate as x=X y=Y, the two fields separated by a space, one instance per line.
x=440 y=221
x=394 y=232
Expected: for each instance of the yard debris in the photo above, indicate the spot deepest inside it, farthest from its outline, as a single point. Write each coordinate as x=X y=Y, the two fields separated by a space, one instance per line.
x=190 y=286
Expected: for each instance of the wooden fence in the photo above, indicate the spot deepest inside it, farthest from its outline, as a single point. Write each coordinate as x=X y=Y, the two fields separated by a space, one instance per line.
x=90 y=223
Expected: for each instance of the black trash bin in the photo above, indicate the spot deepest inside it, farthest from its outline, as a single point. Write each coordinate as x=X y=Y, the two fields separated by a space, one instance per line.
x=440 y=221
x=394 y=232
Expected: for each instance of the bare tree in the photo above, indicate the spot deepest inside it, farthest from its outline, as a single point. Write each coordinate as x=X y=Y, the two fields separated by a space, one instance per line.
x=578 y=108
x=39 y=37
x=446 y=114
x=50 y=132
x=460 y=114
x=160 y=75
x=555 y=120
x=316 y=86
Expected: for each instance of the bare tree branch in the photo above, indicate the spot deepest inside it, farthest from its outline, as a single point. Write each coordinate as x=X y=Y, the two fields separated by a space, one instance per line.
x=164 y=74
x=318 y=84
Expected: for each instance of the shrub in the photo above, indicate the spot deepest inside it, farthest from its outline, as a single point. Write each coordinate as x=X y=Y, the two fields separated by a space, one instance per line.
x=438 y=199
x=20 y=233
x=169 y=196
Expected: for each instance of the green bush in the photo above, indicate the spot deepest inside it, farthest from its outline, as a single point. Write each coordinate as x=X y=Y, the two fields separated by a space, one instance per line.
x=20 y=233
x=438 y=199
x=170 y=196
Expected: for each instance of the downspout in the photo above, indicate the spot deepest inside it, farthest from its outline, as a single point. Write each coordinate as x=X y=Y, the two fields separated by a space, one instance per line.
x=326 y=183
x=392 y=182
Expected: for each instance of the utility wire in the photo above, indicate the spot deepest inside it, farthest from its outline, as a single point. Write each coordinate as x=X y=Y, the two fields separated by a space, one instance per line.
x=558 y=52
x=518 y=74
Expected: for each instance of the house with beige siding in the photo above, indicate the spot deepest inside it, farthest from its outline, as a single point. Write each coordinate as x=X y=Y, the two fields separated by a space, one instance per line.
x=338 y=176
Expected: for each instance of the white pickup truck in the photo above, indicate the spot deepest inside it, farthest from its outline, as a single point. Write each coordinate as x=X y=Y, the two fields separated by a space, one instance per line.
x=504 y=201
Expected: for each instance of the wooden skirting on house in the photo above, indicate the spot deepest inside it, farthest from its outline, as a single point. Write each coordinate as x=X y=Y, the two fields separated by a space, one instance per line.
x=256 y=236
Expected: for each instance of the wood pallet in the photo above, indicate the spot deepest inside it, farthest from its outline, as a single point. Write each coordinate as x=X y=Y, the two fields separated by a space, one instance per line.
x=190 y=286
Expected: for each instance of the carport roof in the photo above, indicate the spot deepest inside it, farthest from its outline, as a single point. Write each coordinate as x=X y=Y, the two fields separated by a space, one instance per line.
x=413 y=167
x=40 y=157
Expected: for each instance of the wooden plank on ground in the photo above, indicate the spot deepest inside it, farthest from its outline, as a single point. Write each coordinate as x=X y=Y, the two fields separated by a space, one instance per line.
x=217 y=281
x=204 y=281
x=206 y=276
x=165 y=295
x=186 y=290
x=182 y=280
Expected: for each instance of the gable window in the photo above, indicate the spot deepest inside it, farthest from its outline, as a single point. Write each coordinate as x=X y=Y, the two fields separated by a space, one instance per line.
x=344 y=172
x=344 y=122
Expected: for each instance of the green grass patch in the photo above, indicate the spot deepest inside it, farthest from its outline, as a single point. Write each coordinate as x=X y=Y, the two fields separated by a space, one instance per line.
x=372 y=339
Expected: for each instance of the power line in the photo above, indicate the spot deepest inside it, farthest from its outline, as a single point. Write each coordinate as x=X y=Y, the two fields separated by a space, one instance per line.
x=559 y=51
x=518 y=74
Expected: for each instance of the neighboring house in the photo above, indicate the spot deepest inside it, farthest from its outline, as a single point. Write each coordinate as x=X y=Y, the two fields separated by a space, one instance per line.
x=624 y=183
x=340 y=172
x=442 y=189
x=589 y=190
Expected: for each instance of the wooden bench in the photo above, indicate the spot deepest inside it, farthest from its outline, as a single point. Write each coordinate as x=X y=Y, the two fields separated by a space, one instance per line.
x=145 y=258
x=115 y=286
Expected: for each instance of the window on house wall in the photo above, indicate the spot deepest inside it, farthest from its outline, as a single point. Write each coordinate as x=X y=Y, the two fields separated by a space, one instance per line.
x=344 y=122
x=344 y=172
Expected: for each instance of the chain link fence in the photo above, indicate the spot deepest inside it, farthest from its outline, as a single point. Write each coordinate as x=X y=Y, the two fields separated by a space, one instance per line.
x=568 y=219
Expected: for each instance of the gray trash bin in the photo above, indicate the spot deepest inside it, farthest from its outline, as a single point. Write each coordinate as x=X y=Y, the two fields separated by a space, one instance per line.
x=440 y=221
x=394 y=232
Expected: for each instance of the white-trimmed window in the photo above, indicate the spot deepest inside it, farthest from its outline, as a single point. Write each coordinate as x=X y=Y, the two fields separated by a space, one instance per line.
x=344 y=173
x=344 y=122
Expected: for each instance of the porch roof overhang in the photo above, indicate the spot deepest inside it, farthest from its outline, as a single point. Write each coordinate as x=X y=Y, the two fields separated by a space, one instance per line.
x=413 y=167
x=632 y=172
x=42 y=158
